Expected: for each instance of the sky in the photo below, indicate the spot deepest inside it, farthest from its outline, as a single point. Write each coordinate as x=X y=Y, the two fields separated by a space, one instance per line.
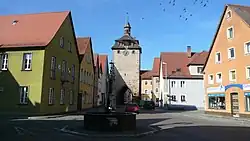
x=156 y=29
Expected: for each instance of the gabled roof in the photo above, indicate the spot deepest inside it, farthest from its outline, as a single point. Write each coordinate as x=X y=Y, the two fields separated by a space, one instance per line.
x=175 y=64
x=96 y=59
x=83 y=43
x=30 y=30
x=199 y=58
x=242 y=11
x=156 y=67
x=103 y=59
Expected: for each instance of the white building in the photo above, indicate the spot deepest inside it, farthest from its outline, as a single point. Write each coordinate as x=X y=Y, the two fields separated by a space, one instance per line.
x=181 y=79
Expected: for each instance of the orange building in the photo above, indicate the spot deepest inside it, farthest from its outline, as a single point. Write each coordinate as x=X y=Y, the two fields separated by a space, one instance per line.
x=227 y=69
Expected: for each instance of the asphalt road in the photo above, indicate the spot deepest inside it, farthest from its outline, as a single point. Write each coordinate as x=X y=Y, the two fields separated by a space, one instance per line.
x=176 y=126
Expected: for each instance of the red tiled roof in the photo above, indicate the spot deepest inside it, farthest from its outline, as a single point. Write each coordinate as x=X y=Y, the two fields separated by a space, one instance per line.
x=199 y=58
x=83 y=43
x=103 y=59
x=175 y=64
x=30 y=30
x=156 y=67
x=146 y=74
x=96 y=59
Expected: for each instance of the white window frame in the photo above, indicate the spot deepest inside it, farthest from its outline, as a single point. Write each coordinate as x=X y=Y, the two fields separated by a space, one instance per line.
x=200 y=70
x=27 y=65
x=216 y=58
x=218 y=80
x=209 y=80
x=229 y=34
x=182 y=85
x=247 y=72
x=4 y=61
x=51 y=96
x=229 y=53
x=62 y=96
x=53 y=67
x=146 y=82
x=230 y=76
x=229 y=11
x=245 y=48
x=24 y=94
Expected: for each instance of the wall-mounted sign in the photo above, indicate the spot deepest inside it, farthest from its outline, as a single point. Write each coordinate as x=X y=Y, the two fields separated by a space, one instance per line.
x=216 y=89
x=246 y=87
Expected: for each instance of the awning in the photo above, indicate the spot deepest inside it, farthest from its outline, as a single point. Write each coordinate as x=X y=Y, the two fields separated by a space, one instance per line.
x=216 y=95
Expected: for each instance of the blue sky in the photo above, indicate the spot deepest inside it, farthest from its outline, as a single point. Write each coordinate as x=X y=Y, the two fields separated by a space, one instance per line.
x=159 y=31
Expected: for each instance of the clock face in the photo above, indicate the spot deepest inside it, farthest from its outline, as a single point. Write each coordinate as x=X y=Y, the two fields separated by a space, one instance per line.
x=125 y=52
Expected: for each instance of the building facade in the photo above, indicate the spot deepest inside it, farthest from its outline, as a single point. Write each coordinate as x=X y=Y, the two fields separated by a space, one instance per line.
x=104 y=79
x=178 y=79
x=146 y=85
x=86 y=92
x=45 y=81
x=227 y=70
x=97 y=81
x=127 y=62
x=156 y=81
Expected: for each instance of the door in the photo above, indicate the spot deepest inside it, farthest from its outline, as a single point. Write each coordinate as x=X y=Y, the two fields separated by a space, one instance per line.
x=235 y=104
x=79 y=101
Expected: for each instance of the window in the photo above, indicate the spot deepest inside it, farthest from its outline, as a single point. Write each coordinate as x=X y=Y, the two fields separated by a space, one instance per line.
x=24 y=91
x=248 y=72
x=173 y=98
x=230 y=33
x=27 y=57
x=218 y=57
x=182 y=84
x=156 y=89
x=133 y=52
x=183 y=98
x=210 y=79
x=247 y=48
x=231 y=53
x=146 y=82
x=62 y=42
x=63 y=72
x=51 y=96
x=118 y=51
x=232 y=75
x=146 y=91
x=81 y=75
x=85 y=76
x=151 y=83
x=71 y=97
x=173 y=84
x=73 y=73
x=53 y=68
x=4 y=61
x=69 y=46
x=62 y=96
x=218 y=77
x=229 y=15
x=199 y=70
x=217 y=102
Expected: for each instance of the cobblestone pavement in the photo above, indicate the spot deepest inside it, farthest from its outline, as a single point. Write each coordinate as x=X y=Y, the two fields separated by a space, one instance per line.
x=176 y=126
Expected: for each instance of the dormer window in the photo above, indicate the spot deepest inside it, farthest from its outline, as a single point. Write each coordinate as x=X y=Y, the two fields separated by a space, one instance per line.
x=14 y=22
x=229 y=15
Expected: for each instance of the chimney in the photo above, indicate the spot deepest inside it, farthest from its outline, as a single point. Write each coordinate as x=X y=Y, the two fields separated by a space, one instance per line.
x=189 y=52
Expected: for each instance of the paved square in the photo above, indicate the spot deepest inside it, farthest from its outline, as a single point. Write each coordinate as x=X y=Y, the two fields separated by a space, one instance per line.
x=175 y=126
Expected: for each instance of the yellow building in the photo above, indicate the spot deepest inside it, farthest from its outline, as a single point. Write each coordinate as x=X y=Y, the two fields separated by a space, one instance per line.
x=85 y=98
x=39 y=64
x=146 y=85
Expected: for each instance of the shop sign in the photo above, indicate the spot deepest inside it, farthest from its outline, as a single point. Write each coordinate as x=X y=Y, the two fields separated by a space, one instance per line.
x=246 y=86
x=216 y=89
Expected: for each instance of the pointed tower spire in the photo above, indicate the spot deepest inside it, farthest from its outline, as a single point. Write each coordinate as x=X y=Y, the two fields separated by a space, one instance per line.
x=127 y=27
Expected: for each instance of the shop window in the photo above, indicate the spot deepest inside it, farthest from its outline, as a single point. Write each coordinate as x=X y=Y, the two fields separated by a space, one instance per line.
x=217 y=102
x=247 y=95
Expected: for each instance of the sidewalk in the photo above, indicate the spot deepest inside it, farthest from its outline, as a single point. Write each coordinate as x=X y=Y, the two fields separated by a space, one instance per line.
x=201 y=114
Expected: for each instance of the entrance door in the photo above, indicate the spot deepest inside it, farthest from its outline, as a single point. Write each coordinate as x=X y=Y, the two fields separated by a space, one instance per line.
x=235 y=104
x=79 y=101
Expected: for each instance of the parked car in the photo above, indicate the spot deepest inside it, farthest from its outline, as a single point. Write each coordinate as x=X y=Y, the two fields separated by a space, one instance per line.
x=134 y=108
x=149 y=105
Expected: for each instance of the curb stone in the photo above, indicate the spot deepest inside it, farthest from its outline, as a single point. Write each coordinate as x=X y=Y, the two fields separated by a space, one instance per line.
x=153 y=131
